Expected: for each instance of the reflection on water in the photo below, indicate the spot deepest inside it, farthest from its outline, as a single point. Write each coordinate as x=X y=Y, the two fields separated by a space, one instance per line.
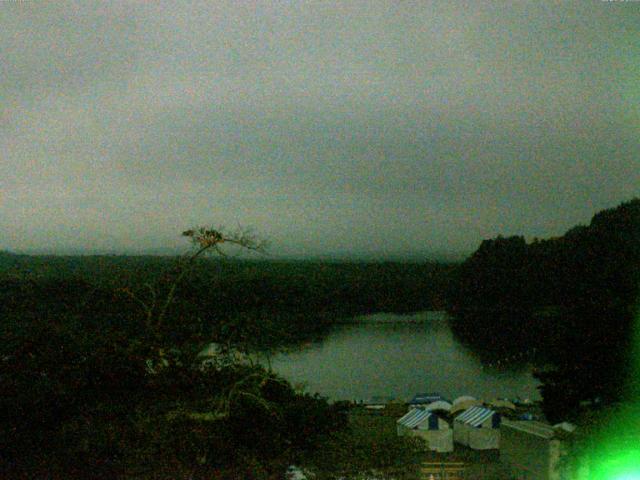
x=400 y=355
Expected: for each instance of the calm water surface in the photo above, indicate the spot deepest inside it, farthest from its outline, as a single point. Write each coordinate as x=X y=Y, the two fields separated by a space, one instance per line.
x=400 y=355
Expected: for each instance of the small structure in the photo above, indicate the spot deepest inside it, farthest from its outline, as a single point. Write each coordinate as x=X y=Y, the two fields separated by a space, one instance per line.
x=533 y=450
x=477 y=428
x=435 y=431
x=504 y=407
x=463 y=403
x=527 y=416
x=439 y=406
x=422 y=399
x=377 y=403
x=502 y=403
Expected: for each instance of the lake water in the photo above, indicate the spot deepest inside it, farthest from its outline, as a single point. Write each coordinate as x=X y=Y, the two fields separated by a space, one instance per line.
x=398 y=356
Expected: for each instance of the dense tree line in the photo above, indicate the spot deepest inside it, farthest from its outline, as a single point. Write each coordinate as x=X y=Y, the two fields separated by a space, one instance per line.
x=94 y=390
x=289 y=301
x=100 y=380
x=83 y=401
x=594 y=265
x=572 y=297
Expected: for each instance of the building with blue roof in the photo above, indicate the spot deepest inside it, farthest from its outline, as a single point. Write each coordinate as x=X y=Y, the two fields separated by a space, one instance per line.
x=478 y=428
x=435 y=431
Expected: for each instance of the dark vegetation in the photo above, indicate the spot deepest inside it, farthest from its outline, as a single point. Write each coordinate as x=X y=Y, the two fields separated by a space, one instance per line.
x=287 y=301
x=370 y=446
x=572 y=297
x=100 y=380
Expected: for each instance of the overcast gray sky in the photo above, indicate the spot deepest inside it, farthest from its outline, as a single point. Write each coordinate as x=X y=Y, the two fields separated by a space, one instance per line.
x=352 y=128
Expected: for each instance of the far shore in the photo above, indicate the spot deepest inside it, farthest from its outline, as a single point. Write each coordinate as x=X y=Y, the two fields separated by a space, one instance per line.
x=391 y=317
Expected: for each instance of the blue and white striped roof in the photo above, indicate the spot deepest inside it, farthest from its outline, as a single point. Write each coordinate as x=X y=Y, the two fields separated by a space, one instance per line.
x=414 y=418
x=475 y=416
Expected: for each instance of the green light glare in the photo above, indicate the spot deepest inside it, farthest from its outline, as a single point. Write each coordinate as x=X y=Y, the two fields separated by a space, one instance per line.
x=615 y=449
x=634 y=382
x=617 y=460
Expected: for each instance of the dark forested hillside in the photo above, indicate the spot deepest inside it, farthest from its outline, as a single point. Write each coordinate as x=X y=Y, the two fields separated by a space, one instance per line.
x=300 y=296
x=589 y=266
x=99 y=383
x=572 y=296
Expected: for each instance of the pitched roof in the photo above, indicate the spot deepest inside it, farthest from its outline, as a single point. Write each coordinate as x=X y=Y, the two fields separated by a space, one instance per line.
x=463 y=398
x=531 y=427
x=502 y=404
x=539 y=429
x=414 y=418
x=475 y=416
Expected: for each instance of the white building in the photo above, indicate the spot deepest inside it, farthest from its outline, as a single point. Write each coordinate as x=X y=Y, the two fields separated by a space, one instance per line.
x=533 y=449
x=435 y=431
x=477 y=428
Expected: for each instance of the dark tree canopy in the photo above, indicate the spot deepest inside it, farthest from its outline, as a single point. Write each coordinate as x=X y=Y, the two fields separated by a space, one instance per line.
x=573 y=297
x=107 y=383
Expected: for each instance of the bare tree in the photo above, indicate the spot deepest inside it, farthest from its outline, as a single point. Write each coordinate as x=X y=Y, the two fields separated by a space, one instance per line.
x=205 y=240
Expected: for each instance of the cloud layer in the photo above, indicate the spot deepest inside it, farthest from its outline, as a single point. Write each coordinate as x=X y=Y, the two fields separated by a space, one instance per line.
x=354 y=128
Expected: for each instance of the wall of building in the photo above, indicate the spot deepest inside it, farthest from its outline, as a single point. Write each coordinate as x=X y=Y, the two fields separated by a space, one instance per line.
x=527 y=455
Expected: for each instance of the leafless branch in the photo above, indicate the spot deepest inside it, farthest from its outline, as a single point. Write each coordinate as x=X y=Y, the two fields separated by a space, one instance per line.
x=206 y=239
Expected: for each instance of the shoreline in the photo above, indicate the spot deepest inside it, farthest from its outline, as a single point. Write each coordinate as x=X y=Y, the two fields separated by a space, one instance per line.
x=393 y=317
